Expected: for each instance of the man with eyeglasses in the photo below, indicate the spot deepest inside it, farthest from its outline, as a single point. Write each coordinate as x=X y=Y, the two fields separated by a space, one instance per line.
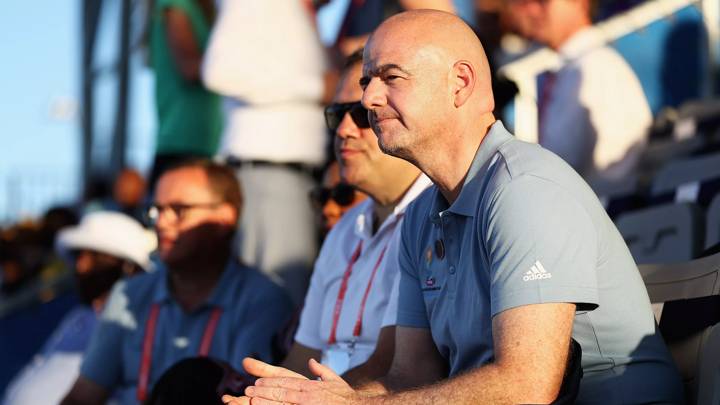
x=200 y=301
x=349 y=314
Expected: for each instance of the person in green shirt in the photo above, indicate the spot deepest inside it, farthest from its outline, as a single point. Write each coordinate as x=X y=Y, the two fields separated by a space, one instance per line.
x=189 y=116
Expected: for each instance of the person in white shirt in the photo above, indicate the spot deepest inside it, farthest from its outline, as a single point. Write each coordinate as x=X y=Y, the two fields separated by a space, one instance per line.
x=267 y=61
x=592 y=112
x=351 y=307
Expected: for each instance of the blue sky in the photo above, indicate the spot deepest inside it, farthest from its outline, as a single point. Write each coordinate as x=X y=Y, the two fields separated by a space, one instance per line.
x=39 y=119
x=38 y=130
x=40 y=116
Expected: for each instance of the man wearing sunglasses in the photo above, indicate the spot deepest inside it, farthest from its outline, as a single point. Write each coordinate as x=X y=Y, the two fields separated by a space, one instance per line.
x=503 y=261
x=349 y=314
x=200 y=301
x=333 y=198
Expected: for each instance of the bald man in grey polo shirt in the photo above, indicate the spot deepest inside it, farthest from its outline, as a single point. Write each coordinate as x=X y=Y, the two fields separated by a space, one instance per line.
x=505 y=259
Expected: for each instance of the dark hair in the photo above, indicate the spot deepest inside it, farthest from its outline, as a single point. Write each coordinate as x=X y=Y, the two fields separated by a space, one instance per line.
x=223 y=182
x=353 y=58
x=197 y=380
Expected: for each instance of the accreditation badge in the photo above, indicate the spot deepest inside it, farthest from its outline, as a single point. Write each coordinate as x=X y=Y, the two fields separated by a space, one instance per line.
x=337 y=357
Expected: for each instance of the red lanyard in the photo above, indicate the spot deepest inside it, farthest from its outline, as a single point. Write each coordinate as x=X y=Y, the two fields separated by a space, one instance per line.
x=146 y=359
x=343 y=289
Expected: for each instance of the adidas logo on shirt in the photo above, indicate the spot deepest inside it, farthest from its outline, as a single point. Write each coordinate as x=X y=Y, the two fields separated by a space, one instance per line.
x=537 y=272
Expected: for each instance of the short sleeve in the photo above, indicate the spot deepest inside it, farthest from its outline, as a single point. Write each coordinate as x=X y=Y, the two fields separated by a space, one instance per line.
x=102 y=362
x=308 y=333
x=541 y=245
x=411 y=305
x=390 y=318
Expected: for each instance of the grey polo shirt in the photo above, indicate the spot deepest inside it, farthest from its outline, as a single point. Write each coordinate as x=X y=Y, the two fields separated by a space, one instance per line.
x=526 y=229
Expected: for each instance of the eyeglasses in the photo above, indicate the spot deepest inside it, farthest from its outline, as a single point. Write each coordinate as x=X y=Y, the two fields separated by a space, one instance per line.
x=179 y=210
x=342 y=194
x=334 y=114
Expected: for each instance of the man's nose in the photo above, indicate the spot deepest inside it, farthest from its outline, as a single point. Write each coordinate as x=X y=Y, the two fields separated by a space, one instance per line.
x=373 y=94
x=347 y=128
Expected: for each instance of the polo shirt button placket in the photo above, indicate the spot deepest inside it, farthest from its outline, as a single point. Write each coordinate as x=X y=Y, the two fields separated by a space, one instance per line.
x=452 y=270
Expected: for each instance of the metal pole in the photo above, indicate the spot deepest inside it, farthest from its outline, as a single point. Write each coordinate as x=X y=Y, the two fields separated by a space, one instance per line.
x=90 y=17
x=119 y=152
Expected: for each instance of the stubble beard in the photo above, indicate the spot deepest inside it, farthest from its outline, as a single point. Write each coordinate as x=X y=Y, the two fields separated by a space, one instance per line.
x=396 y=149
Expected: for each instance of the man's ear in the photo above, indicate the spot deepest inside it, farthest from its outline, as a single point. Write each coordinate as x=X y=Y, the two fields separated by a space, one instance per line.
x=463 y=82
x=228 y=214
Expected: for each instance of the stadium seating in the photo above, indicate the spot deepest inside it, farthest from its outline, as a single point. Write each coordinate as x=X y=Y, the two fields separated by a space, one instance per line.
x=712 y=236
x=619 y=196
x=663 y=234
x=688 y=180
x=689 y=295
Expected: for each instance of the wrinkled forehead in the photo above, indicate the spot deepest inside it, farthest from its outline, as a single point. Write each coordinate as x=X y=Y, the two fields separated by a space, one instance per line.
x=385 y=46
x=406 y=54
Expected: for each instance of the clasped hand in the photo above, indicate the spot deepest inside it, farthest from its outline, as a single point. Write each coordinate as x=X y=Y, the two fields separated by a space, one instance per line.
x=277 y=385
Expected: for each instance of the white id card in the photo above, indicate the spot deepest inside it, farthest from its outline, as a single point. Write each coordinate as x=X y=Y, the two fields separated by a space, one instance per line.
x=337 y=358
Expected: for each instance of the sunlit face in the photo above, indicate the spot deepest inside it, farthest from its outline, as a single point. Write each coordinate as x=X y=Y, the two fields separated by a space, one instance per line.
x=356 y=148
x=406 y=91
x=544 y=21
x=183 y=232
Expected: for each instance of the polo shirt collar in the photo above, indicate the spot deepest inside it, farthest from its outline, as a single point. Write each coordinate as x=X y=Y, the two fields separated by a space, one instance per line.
x=466 y=203
x=220 y=296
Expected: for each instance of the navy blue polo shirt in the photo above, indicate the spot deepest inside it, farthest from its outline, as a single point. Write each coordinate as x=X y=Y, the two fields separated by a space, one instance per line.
x=253 y=310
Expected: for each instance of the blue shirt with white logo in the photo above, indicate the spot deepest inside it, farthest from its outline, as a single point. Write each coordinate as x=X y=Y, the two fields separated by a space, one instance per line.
x=526 y=229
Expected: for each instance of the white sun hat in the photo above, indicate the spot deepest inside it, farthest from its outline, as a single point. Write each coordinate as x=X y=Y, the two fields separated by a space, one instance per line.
x=113 y=233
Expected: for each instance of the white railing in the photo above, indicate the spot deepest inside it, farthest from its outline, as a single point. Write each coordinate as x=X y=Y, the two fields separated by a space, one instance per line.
x=525 y=70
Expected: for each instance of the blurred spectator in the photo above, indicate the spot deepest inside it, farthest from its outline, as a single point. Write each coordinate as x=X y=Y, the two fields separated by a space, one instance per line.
x=592 y=111
x=35 y=288
x=363 y=16
x=21 y=256
x=128 y=195
x=103 y=248
x=490 y=28
x=199 y=300
x=26 y=253
x=189 y=116
x=55 y=220
x=333 y=198
x=350 y=309
x=265 y=57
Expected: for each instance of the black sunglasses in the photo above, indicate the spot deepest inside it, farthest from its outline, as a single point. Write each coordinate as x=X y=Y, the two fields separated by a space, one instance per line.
x=342 y=194
x=334 y=114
